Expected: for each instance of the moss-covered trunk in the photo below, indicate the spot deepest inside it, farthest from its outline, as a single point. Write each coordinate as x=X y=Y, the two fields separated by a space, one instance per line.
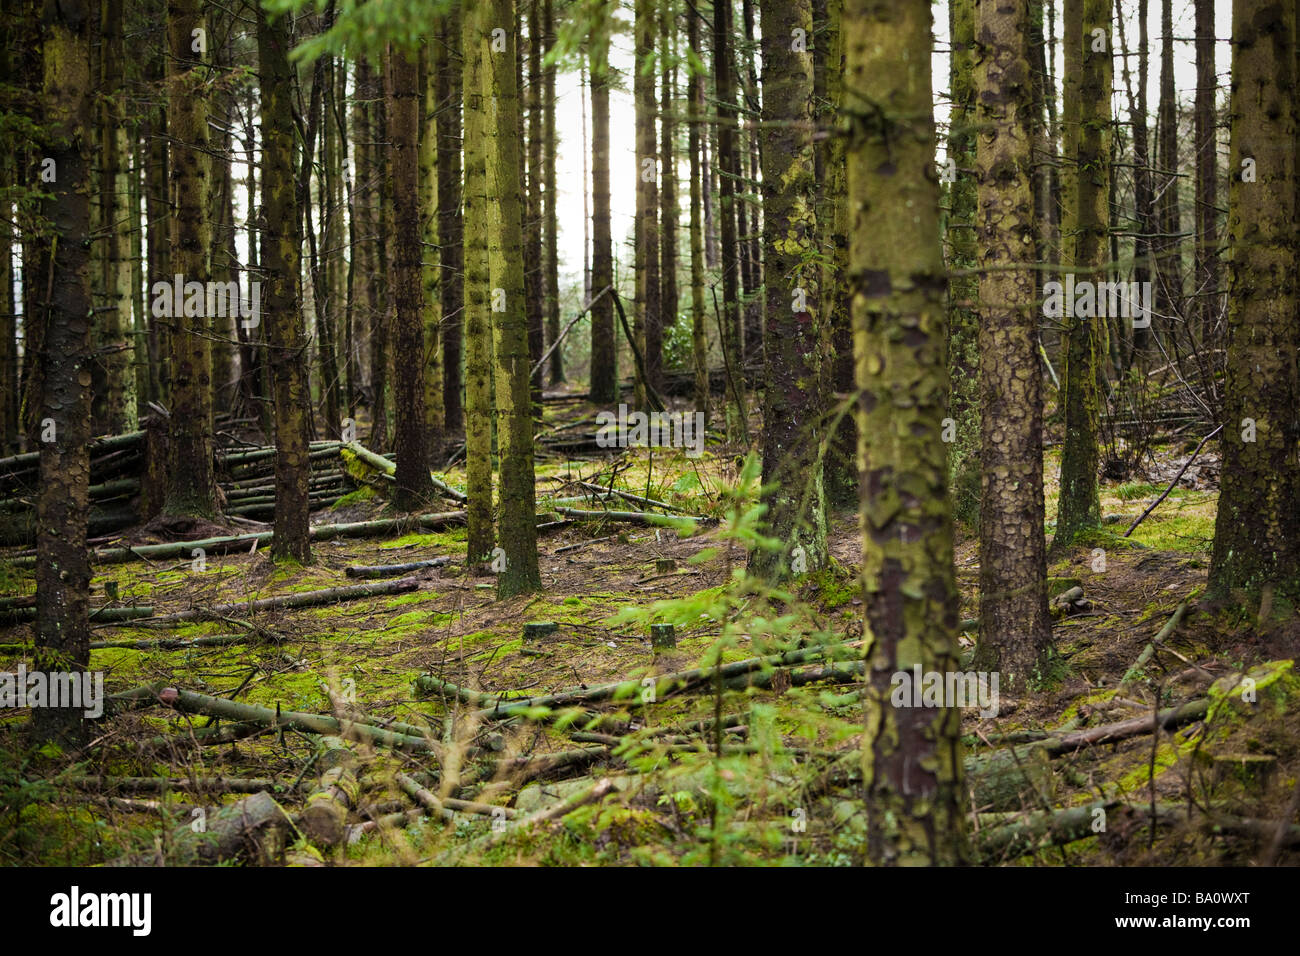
x=430 y=265
x=411 y=422
x=645 y=264
x=1015 y=631
x=963 y=256
x=550 y=254
x=118 y=410
x=695 y=113
x=728 y=163
x=604 y=343
x=191 y=484
x=668 y=205
x=450 y=223
x=1257 y=531
x=475 y=41
x=840 y=470
x=281 y=301
x=912 y=769
x=1079 y=506
x=62 y=561
x=517 y=525
x=793 y=401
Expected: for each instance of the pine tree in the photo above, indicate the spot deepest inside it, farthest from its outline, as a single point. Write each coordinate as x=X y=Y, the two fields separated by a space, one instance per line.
x=1079 y=506
x=912 y=765
x=191 y=484
x=604 y=343
x=281 y=301
x=517 y=528
x=478 y=332
x=793 y=404
x=1257 y=532
x=1015 y=631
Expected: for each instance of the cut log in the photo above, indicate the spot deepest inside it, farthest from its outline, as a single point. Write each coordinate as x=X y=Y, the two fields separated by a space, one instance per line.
x=255 y=831
x=325 y=813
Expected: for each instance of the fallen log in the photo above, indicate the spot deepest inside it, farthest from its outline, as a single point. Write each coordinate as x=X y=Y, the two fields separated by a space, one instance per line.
x=325 y=812
x=256 y=830
x=392 y=570
x=496 y=706
x=1131 y=674
x=165 y=784
x=283 y=602
x=1168 y=719
x=195 y=703
x=634 y=517
x=389 y=468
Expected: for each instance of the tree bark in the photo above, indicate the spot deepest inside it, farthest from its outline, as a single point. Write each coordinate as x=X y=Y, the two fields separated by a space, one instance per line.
x=793 y=405
x=646 y=326
x=1256 y=537
x=451 y=254
x=604 y=343
x=911 y=756
x=729 y=173
x=550 y=255
x=191 y=484
x=517 y=528
x=62 y=562
x=413 y=486
x=282 y=302
x=695 y=116
x=1015 y=630
x=1079 y=506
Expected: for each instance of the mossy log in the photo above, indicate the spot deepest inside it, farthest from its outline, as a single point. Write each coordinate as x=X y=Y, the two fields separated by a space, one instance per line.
x=195 y=703
x=325 y=812
x=256 y=831
x=283 y=602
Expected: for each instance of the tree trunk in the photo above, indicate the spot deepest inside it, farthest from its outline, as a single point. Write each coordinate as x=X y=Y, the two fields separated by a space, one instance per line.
x=1256 y=534
x=381 y=288
x=695 y=114
x=413 y=486
x=191 y=484
x=450 y=223
x=646 y=328
x=62 y=561
x=604 y=344
x=534 y=264
x=117 y=223
x=668 y=196
x=911 y=755
x=475 y=46
x=550 y=255
x=728 y=173
x=792 y=410
x=282 y=300
x=1015 y=630
x=430 y=258
x=963 y=251
x=840 y=472
x=1169 y=293
x=1079 y=506
x=1207 y=161
x=518 y=529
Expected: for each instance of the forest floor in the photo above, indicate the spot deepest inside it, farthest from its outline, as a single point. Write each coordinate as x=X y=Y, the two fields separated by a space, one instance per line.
x=784 y=790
